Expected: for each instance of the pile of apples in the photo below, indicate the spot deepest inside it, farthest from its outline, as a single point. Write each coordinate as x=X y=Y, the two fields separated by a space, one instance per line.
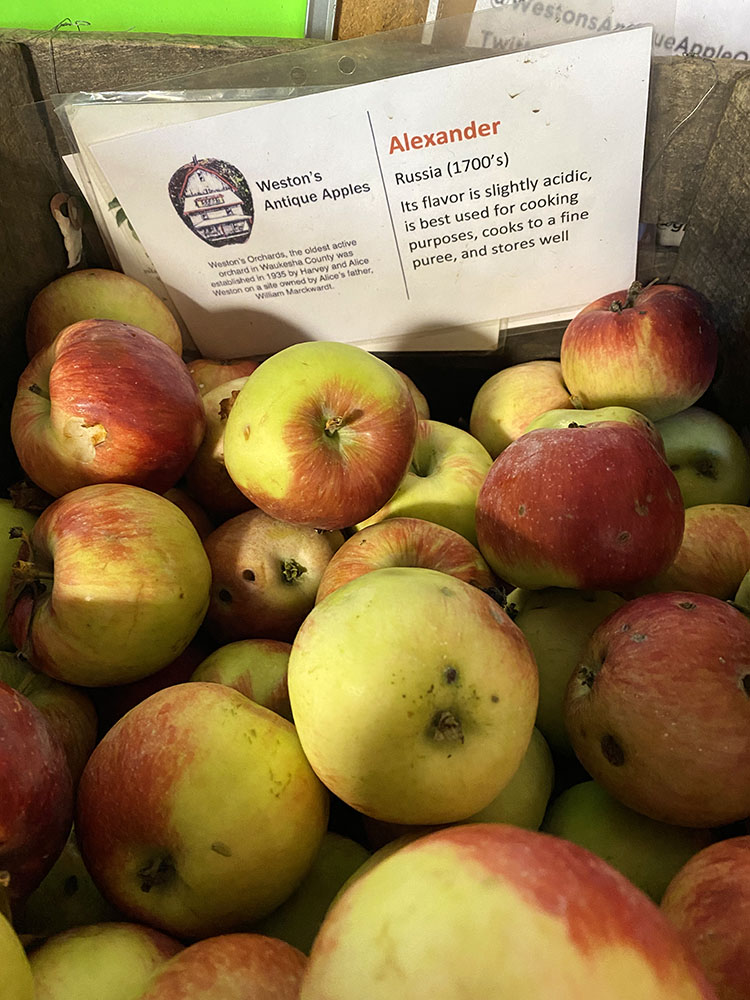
x=306 y=694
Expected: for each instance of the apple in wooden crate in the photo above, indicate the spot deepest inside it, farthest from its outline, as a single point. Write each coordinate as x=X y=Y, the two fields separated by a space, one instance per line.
x=321 y=434
x=112 y=584
x=491 y=910
x=659 y=710
x=413 y=694
x=592 y=507
x=106 y=402
x=198 y=811
x=18 y=982
x=98 y=293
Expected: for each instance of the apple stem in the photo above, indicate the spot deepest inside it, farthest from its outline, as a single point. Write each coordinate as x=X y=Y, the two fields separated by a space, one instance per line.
x=38 y=391
x=333 y=424
x=158 y=872
x=633 y=292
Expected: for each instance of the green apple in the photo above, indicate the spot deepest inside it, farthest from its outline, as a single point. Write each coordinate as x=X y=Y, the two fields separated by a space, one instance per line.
x=298 y=919
x=558 y=623
x=17 y=980
x=742 y=597
x=109 y=961
x=707 y=456
x=10 y=518
x=441 y=485
x=571 y=418
x=414 y=695
x=648 y=852
x=255 y=667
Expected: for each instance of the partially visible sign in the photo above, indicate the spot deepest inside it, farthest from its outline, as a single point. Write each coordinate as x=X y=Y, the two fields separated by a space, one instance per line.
x=407 y=212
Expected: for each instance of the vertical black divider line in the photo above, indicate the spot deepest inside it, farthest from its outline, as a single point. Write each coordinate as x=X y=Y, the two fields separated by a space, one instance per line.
x=388 y=204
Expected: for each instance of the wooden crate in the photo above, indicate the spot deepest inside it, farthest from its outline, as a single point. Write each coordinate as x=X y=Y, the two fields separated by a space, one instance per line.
x=697 y=171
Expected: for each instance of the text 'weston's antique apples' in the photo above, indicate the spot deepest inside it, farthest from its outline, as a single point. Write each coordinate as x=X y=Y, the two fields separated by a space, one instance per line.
x=322 y=433
x=414 y=695
x=593 y=507
x=111 y=586
x=489 y=910
x=198 y=812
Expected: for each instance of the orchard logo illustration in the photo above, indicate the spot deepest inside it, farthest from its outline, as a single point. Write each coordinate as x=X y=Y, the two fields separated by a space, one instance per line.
x=213 y=199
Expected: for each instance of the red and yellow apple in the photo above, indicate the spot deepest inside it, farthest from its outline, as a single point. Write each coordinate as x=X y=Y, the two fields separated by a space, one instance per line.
x=256 y=668
x=573 y=418
x=208 y=373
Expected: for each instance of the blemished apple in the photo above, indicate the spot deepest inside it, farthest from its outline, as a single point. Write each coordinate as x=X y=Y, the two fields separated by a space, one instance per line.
x=652 y=348
x=106 y=402
x=708 y=901
x=714 y=554
x=442 y=482
x=557 y=510
x=18 y=982
x=510 y=399
x=112 y=960
x=298 y=919
x=658 y=712
x=571 y=418
x=112 y=584
x=413 y=694
x=208 y=373
x=10 y=517
x=98 y=293
x=256 y=668
x=36 y=805
x=68 y=710
x=321 y=434
x=558 y=623
x=265 y=575
x=206 y=478
x=198 y=811
x=492 y=910
x=708 y=457
x=649 y=853
x=406 y=541
x=230 y=967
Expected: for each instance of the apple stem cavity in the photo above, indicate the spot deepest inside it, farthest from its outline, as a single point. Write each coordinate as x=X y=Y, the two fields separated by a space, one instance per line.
x=38 y=391
x=333 y=424
x=446 y=727
x=158 y=872
x=291 y=570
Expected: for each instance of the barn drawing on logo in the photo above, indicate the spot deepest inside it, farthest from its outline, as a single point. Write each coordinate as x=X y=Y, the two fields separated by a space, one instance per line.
x=214 y=200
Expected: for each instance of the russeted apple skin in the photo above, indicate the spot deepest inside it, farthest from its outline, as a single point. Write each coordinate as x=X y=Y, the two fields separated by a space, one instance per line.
x=659 y=711
x=106 y=402
x=657 y=355
x=591 y=507
x=492 y=910
x=708 y=901
x=98 y=293
x=321 y=434
x=406 y=541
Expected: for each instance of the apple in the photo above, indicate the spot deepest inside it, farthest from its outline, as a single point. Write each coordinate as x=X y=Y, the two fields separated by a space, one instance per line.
x=112 y=960
x=66 y=897
x=106 y=402
x=659 y=711
x=708 y=901
x=36 y=805
x=197 y=515
x=558 y=510
x=198 y=812
x=98 y=293
x=492 y=910
x=208 y=373
x=414 y=695
x=714 y=554
x=578 y=418
x=266 y=574
x=230 y=967
x=256 y=668
x=321 y=434
x=654 y=349
x=112 y=584
x=441 y=485
x=14 y=519
x=420 y=400
x=206 y=478
x=69 y=712
x=298 y=919
x=406 y=541
x=708 y=457
x=18 y=983
x=742 y=597
x=558 y=624
x=649 y=853
x=510 y=399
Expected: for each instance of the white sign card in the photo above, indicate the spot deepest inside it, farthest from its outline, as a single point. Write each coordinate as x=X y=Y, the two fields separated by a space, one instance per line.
x=409 y=212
